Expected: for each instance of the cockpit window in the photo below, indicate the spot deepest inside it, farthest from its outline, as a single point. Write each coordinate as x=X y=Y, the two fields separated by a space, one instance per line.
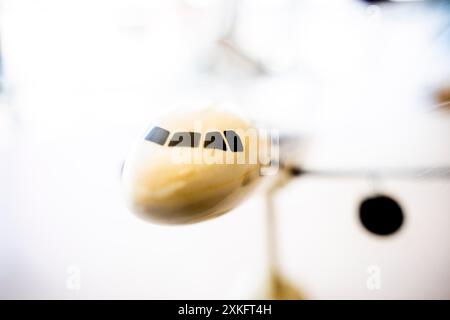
x=214 y=140
x=185 y=139
x=157 y=135
x=234 y=141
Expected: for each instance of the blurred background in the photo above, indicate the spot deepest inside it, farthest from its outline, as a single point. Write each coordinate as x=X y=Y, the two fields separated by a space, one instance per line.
x=366 y=84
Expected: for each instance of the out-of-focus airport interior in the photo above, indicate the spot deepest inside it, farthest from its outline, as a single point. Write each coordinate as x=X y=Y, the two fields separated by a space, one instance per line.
x=364 y=84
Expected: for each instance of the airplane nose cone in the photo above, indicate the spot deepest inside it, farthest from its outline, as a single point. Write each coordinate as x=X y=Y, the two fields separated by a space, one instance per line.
x=187 y=195
x=176 y=185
